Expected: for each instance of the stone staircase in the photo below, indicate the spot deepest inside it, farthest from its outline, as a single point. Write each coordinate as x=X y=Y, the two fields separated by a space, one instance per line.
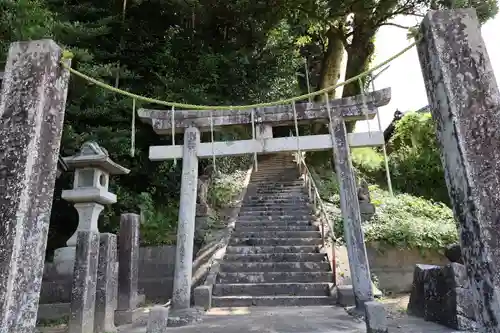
x=273 y=255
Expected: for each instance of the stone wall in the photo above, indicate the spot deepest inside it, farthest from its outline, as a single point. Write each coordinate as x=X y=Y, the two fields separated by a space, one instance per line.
x=156 y=271
x=394 y=267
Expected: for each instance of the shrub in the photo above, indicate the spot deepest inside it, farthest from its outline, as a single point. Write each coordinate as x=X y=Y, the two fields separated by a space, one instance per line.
x=158 y=224
x=407 y=221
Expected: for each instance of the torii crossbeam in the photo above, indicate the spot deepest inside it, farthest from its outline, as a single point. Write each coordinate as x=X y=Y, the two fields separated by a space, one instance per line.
x=334 y=113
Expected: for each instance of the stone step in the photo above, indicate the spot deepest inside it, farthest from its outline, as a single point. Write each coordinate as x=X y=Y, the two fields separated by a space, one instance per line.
x=289 y=183
x=277 y=216
x=268 y=209
x=227 y=266
x=277 y=206
x=278 y=198
x=299 y=214
x=267 y=223
x=273 y=220
x=272 y=227
x=285 y=183
x=278 y=190
x=246 y=250
x=277 y=234
x=271 y=289
x=275 y=257
x=275 y=241
x=274 y=277
x=246 y=301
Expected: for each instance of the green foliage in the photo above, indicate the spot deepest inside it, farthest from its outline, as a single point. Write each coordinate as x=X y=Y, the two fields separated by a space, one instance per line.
x=406 y=221
x=158 y=223
x=224 y=189
x=415 y=164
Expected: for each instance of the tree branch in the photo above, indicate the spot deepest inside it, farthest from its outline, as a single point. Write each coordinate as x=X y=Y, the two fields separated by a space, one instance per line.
x=396 y=25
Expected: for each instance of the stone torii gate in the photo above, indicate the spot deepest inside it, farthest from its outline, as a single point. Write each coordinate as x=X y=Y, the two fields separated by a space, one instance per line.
x=334 y=114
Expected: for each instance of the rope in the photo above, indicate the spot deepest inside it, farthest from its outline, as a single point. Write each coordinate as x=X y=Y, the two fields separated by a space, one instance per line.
x=68 y=55
x=384 y=151
x=173 y=133
x=364 y=106
x=132 y=136
x=296 y=131
x=212 y=137
x=253 y=137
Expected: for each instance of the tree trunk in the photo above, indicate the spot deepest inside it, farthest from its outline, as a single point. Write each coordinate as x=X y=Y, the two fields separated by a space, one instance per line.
x=359 y=53
x=331 y=62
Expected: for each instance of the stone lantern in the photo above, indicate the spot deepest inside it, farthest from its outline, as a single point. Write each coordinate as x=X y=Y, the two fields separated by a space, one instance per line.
x=92 y=167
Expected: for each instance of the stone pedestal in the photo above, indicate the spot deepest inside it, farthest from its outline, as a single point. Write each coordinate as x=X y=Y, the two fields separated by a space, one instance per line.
x=32 y=104
x=107 y=285
x=83 y=290
x=181 y=297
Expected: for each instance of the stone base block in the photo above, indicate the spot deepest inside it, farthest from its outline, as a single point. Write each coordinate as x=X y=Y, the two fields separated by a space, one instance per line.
x=417 y=300
x=53 y=311
x=123 y=317
x=345 y=295
x=185 y=317
x=442 y=295
x=375 y=318
x=157 y=320
x=203 y=296
x=141 y=299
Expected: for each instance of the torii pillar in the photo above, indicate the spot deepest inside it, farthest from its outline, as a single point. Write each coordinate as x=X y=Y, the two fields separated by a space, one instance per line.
x=181 y=296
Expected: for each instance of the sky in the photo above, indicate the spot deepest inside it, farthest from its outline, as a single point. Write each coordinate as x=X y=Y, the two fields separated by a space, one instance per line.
x=404 y=75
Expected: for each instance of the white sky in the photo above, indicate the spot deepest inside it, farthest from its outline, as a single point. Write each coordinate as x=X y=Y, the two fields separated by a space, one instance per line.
x=404 y=75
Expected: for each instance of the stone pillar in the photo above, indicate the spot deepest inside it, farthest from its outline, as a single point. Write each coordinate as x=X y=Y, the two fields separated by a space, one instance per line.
x=106 y=292
x=181 y=298
x=32 y=104
x=465 y=103
x=83 y=289
x=128 y=258
x=349 y=204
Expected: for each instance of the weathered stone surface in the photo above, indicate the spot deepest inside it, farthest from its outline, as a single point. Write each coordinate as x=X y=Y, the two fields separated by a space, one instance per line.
x=375 y=317
x=465 y=103
x=181 y=297
x=32 y=104
x=345 y=295
x=416 y=304
x=282 y=115
x=442 y=295
x=83 y=291
x=128 y=258
x=454 y=253
x=203 y=296
x=157 y=320
x=106 y=292
x=358 y=259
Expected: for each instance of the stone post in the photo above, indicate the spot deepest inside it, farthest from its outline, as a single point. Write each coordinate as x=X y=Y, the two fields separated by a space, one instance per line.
x=128 y=258
x=181 y=298
x=32 y=104
x=349 y=204
x=83 y=289
x=106 y=285
x=465 y=103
